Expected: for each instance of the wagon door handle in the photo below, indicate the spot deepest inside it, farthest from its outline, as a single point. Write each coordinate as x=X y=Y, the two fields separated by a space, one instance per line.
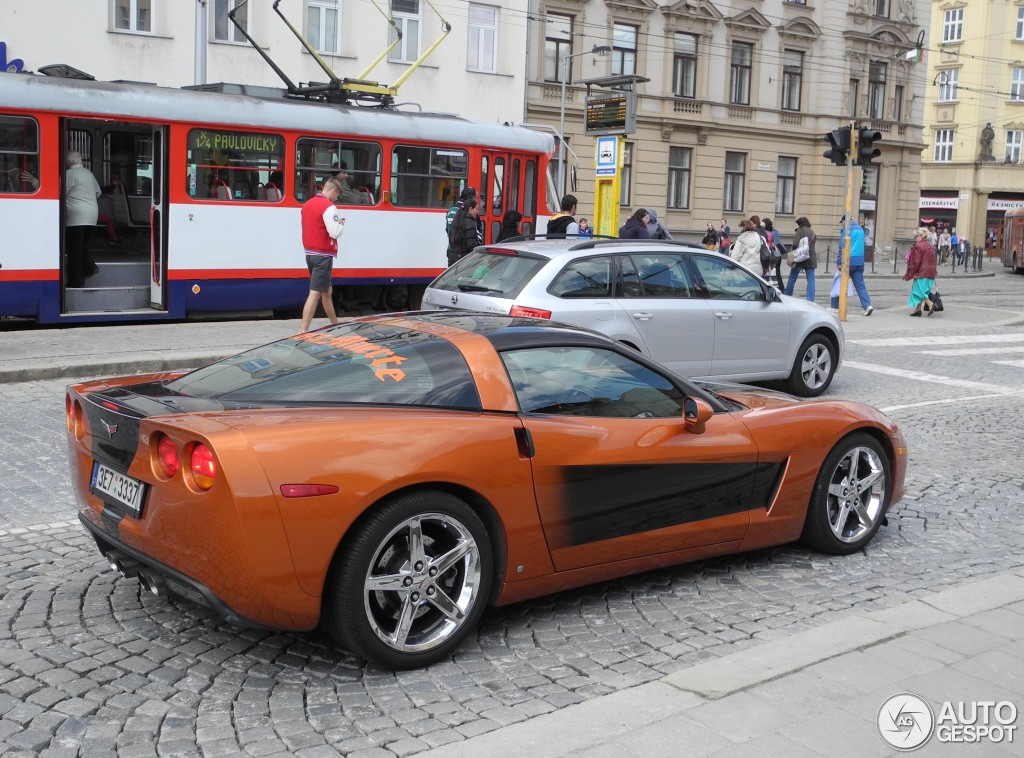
x=643 y=316
x=724 y=315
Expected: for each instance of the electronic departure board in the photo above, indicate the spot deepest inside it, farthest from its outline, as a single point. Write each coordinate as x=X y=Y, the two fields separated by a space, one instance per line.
x=611 y=114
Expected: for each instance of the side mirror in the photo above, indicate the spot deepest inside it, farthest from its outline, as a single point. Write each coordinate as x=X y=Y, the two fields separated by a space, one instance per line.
x=774 y=296
x=696 y=413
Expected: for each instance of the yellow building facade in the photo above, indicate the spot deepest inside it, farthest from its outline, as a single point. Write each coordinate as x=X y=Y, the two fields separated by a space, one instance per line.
x=972 y=170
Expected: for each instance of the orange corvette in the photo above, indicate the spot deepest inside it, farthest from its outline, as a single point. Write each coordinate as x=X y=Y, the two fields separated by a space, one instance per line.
x=391 y=476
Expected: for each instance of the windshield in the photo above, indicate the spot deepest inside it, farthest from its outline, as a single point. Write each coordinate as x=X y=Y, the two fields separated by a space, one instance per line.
x=496 y=274
x=349 y=363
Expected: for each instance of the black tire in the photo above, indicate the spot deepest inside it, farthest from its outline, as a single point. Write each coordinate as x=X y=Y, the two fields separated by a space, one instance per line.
x=843 y=515
x=385 y=605
x=814 y=367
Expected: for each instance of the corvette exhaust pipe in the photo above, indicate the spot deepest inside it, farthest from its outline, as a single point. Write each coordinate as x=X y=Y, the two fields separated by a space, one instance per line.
x=121 y=563
x=152 y=582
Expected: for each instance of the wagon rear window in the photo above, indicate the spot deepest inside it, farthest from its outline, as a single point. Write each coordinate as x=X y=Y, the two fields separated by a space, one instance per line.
x=352 y=363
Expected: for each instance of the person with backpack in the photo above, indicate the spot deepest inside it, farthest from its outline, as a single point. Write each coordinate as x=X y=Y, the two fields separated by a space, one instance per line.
x=809 y=264
x=562 y=223
x=655 y=230
x=468 y=193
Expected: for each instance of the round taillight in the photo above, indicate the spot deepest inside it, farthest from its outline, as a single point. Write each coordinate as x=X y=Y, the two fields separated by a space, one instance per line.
x=167 y=457
x=204 y=467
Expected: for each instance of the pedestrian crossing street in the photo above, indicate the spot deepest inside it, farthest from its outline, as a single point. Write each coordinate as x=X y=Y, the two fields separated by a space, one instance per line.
x=998 y=349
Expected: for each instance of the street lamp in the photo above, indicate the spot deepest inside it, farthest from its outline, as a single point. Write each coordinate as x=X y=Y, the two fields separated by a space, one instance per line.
x=597 y=50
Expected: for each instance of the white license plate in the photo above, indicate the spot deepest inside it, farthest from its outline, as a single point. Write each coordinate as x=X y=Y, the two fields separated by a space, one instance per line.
x=118 y=487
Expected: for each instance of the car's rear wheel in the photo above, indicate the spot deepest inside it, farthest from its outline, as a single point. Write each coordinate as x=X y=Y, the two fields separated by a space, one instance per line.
x=849 y=497
x=814 y=367
x=412 y=582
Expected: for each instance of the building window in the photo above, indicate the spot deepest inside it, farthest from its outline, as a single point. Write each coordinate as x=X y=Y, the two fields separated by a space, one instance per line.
x=623 y=49
x=854 y=96
x=482 y=54
x=948 y=81
x=679 y=177
x=1014 y=138
x=322 y=25
x=735 y=177
x=739 y=80
x=953 y=25
x=1017 y=84
x=792 y=79
x=881 y=8
x=223 y=29
x=943 y=145
x=1019 y=34
x=627 y=173
x=557 y=45
x=897 y=103
x=876 y=90
x=785 y=186
x=684 y=66
x=133 y=16
x=406 y=15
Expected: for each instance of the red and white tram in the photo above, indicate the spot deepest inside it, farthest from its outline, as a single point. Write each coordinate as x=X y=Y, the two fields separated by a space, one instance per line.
x=1011 y=251
x=206 y=189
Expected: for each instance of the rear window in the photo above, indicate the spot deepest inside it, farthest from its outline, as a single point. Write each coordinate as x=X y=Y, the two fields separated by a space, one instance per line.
x=495 y=274
x=351 y=363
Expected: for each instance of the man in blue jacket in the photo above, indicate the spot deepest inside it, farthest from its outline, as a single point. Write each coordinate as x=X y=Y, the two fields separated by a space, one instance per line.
x=856 y=264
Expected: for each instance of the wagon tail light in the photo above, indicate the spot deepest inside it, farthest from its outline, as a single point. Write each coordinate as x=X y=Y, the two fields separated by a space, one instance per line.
x=522 y=310
x=204 y=467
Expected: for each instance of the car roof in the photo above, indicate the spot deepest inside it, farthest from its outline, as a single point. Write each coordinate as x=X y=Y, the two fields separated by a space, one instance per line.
x=572 y=247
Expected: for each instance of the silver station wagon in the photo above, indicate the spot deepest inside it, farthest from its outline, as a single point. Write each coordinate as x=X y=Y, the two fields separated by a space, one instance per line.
x=696 y=312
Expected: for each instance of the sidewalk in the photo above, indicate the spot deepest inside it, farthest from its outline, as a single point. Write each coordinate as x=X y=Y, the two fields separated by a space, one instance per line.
x=814 y=693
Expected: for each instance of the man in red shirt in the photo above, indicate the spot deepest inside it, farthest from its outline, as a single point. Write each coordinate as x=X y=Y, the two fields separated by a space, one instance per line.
x=321 y=228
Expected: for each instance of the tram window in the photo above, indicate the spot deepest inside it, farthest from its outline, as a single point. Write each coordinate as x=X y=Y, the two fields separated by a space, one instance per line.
x=530 y=196
x=128 y=160
x=228 y=165
x=19 y=155
x=427 y=177
x=319 y=159
x=499 y=187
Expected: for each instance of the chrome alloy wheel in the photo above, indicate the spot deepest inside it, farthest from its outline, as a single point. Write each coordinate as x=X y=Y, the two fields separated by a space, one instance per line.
x=816 y=366
x=856 y=494
x=422 y=582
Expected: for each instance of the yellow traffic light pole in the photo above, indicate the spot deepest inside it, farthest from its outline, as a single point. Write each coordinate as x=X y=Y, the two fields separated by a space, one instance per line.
x=844 y=275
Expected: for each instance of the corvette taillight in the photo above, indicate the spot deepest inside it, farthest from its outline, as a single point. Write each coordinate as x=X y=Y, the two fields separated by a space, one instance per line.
x=75 y=418
x=204 y=467
x=522 y=310
x=167 y=457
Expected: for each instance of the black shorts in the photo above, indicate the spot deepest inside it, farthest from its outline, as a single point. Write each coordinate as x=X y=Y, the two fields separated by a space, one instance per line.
x=320 y=268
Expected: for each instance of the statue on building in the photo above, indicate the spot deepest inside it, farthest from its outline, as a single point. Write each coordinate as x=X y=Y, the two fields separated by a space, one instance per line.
x=987 y=136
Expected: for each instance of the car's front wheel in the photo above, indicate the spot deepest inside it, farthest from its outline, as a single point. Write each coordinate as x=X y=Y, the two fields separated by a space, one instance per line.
x=412 y=582
x=814 y=367
x=849 y=497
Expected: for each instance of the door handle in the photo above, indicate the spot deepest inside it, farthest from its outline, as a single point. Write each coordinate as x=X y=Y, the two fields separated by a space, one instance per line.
x=643 y=316
x=724 y=315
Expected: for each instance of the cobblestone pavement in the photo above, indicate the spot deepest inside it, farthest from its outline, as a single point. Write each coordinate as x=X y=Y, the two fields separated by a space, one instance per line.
x=91 y=666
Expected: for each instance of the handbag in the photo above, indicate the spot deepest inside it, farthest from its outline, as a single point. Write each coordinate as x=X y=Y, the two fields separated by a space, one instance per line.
x=936 y=301
x=802 y=252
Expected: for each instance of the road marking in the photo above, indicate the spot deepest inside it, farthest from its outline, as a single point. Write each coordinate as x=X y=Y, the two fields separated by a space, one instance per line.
x=920 y=341
x=948 y=400
x=1002 y=349
x=921 y=376
x=1015 y=364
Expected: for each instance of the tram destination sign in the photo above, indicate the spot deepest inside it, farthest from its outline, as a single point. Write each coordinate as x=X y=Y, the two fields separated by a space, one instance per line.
x=611 y=114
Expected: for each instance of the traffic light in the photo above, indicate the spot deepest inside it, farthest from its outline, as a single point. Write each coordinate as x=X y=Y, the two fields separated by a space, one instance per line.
x=840 y=142
x=865 y=150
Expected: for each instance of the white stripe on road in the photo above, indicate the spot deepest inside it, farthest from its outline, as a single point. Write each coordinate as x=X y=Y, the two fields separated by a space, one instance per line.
x=921 y=376
x=1015 y=364
x=963 y=339
x=1001 y=349
x=948 y=400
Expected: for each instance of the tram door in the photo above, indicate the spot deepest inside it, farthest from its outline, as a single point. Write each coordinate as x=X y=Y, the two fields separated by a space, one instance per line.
x=508 y=182
x=158 y=223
